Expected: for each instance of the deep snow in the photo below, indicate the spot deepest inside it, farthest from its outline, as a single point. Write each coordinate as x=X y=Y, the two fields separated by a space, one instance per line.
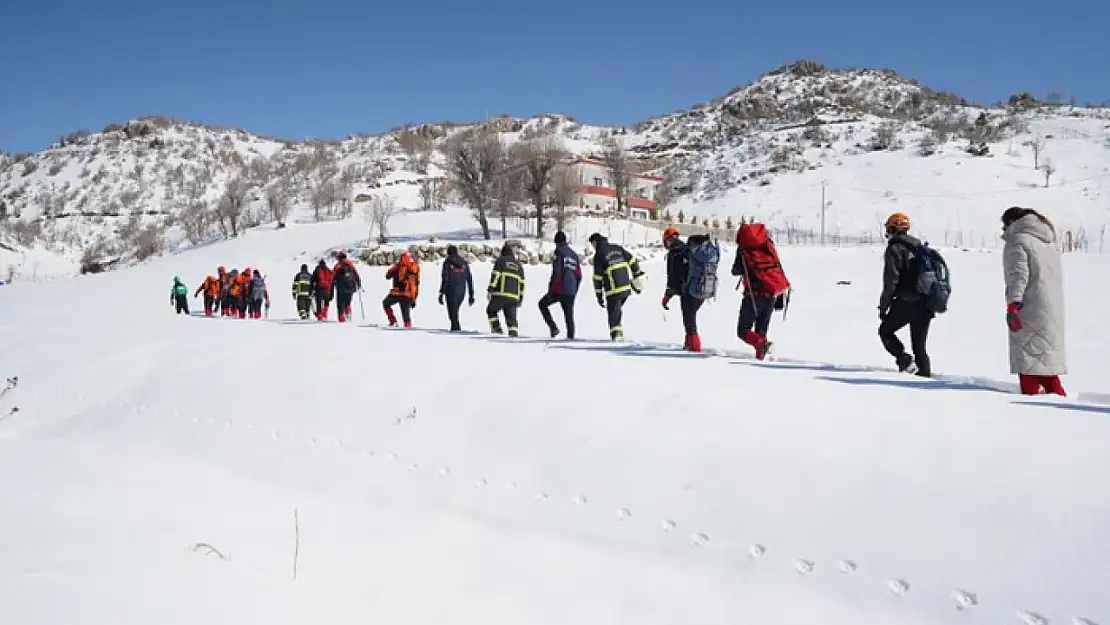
x=467 y=478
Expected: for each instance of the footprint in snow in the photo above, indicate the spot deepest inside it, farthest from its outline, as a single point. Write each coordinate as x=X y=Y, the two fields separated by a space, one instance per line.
x=700 y=539
x=669 y=525
x=804 y=567
x=756 y=550
x=393 y=456
x=338 y=443
x=511 y=485
x=481 y=483
x=1031 y=618
x=369 y=453
x=898 y=586
x=847 y=567
x=1083 y=621
x=196 y=420
x=964 y=599
x=445 y=471
x=624 y=513
x=413 y=467
x=580 y=500
x=541 y=497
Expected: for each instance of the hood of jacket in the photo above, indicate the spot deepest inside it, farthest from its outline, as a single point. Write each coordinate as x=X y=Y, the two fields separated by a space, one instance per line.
x=751 y=236
x=455 y=259
x=1032 y=226
x=903 y=238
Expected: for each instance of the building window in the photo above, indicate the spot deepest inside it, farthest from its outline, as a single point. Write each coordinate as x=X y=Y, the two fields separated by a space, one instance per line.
x=598 y=182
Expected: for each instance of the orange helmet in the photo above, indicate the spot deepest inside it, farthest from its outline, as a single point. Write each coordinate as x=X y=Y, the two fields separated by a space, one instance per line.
x=898 y=221
x=221 y=269
x=668 y=233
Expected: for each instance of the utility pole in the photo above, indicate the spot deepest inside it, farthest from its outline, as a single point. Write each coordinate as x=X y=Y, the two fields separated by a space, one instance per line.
x=824 y=184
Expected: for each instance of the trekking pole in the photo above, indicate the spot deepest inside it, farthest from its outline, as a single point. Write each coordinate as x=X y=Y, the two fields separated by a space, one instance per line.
x=361 y=308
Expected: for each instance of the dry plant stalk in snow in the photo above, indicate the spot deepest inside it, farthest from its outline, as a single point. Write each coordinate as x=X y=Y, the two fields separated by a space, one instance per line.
x=209 y=549
x=296 y=542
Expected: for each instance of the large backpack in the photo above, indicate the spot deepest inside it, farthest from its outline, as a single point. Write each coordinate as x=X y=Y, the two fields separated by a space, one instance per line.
x=933 y=279
x=701 y=272
x=345 y=278
x=258 y=286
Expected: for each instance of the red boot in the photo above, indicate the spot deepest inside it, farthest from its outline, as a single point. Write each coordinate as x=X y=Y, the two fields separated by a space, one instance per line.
x=1052 y=385
x=759 y=342
x=390 y=316
x=693 y=343
x=342 y=317
x=408 y=324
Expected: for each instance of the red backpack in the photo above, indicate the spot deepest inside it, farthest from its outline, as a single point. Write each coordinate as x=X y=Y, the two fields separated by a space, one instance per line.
x=765 y=275
x=323 y=278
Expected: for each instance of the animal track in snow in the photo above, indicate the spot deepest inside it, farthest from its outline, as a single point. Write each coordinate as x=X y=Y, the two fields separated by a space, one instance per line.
x=700 y=539
x=669 y=525
x=964 y=599
x=898 y=586
x=580 y=500
x=1031 y=618
x=541 y=497
x=756 y=550
x=481 y=483
x=393 y=456
x=510 y=485
x=445 y=471
x=848 y=567
x=624 y=513
x=1083 y=621
x=804 y=567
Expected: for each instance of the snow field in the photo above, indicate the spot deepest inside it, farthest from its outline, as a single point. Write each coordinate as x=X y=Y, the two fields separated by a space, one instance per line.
x=474 y=478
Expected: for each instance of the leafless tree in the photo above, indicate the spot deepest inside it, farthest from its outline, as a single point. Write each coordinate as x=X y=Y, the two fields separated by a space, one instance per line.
x=619 y=166
x=508 y=189
x=566 y=188
x=231 y=206
x=378 y=212
x=537 y=159
x=195 y=220
x=1037 y=145
x=432 y=193
x=475 y=159
x=417 y=148
x=1048 y=168
x=665 y=190
x=278 y=200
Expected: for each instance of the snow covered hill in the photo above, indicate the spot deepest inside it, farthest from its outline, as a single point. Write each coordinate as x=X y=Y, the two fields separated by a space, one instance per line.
x=175 y=469
x=865 y=142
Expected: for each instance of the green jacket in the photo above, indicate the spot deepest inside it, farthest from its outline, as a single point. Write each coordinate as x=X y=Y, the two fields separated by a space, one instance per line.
x=179 y=289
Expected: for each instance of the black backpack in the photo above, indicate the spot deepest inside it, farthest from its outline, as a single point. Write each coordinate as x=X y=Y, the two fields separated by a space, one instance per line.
x=345 y=279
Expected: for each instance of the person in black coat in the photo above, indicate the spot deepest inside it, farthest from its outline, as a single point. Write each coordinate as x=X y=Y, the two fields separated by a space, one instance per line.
x=566 y=276
x=678 y=264
x=455 y=284
x=505 y=291
x=616 y=276
x=302 y=292
x=900 y=303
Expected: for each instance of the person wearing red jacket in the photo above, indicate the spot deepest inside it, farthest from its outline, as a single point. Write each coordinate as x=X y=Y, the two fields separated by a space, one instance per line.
x=765 y=285
x=322 y=279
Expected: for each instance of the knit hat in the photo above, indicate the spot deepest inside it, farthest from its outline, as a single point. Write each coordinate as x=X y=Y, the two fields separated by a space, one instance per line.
x=304 y=268
x=560 y=238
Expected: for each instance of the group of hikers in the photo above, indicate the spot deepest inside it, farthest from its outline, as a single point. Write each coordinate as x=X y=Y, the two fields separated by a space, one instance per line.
x=915 y=288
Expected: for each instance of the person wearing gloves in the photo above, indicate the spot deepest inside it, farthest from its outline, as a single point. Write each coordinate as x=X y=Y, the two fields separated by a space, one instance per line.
x=302 y=292
x=405 y=288
x=566 y=275
x=455 y=284
x=616 y=276
x=1035 y=310
x=505 y=291
x=179 y=296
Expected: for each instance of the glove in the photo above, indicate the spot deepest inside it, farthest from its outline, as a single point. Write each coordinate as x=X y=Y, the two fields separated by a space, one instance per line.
x=667 y=300
x=471 y=300
x=638 y=284
x=441 y=299
x=413 y=305
x=1013 y=319
x=600 y=300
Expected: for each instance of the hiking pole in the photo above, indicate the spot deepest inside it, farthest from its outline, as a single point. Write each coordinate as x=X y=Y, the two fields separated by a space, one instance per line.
x=361 y=308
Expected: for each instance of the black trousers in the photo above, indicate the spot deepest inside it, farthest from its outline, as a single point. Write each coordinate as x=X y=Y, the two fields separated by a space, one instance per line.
x=181 y=304
x=566 y=302
x=690 y=306
x=406 y=306
x=343 y=301
x=256 y=306
x=453 y=306
x=918 y=318
x=304 y=306
x=614 y=308
x=323 y=300
x=755 y=312
x=209 y=302
x=504 y=305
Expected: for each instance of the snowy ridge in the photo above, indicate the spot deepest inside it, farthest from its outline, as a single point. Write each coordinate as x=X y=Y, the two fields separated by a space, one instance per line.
x=868 y=141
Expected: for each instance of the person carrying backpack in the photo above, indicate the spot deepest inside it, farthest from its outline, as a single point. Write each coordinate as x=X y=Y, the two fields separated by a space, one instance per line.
x=692 y=275
x=222 y=302
x=302 y=292
x=455 y=284
x=346 y=283
x=322 y=279
x=179 y=296
x=211 y=289
x=406 y=287
x=616 y=276
x=259 y=295
x=765 y=285
x=505 y=291
x=242 y=304
x=566 y=276
x=1035 y=307
x=903 y=301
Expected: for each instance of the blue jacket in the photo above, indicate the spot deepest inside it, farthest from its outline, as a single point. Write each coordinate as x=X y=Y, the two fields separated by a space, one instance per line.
x=456 y=281
x=566 y=273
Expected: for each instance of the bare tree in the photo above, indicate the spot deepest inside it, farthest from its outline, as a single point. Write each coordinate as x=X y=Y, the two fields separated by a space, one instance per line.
x=417 y=148
x=195 y=220
x=1048 y=168
x=432 y=193
x=278 y=201
x=378 y=212
x=1036 y=144
x=475 y=159
x=231 y=206
x=664 y=191
x=537 y=159
x=619 y=167
x=566 y=188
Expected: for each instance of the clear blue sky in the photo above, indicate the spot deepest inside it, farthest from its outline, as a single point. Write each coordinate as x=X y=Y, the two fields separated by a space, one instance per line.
x=329 y=68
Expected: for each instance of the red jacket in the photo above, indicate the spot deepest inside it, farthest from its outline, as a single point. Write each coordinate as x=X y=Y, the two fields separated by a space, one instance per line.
x=757 y=261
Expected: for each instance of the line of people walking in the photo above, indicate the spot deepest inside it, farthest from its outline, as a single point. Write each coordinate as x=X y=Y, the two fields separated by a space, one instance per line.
x=242 y=294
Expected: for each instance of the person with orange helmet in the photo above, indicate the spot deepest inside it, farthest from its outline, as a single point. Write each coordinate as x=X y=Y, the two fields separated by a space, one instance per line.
x=345 y=282
x=222 y=302
x=405 y=274
x=211 y=289
x=691 y=275
x=901 y=303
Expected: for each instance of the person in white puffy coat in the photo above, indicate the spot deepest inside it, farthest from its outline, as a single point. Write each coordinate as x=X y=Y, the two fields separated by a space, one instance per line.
x=1035 y=307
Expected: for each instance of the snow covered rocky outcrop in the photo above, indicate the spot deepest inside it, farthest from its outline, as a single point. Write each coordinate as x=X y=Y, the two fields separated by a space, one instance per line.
x=805 y=148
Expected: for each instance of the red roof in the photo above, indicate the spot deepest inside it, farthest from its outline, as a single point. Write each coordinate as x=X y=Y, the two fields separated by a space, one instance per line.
x=634 y=202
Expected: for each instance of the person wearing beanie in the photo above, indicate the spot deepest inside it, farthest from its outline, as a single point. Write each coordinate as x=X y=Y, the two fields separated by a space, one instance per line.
x=302 y=292
x=505 y=291
x=566 y=276
x=900 y=303
x=455 y=284
x=616 y=276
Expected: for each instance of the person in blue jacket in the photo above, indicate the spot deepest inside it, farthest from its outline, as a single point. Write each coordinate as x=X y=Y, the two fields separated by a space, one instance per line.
x=455 y=284
x=566 y=276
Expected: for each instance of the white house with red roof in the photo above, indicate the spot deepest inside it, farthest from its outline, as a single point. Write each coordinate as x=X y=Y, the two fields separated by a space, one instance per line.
x=597 y=193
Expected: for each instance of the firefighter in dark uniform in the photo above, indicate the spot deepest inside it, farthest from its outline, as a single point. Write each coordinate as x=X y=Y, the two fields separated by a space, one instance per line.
x=616 y=276
x=302 y=292
x=505 y=291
